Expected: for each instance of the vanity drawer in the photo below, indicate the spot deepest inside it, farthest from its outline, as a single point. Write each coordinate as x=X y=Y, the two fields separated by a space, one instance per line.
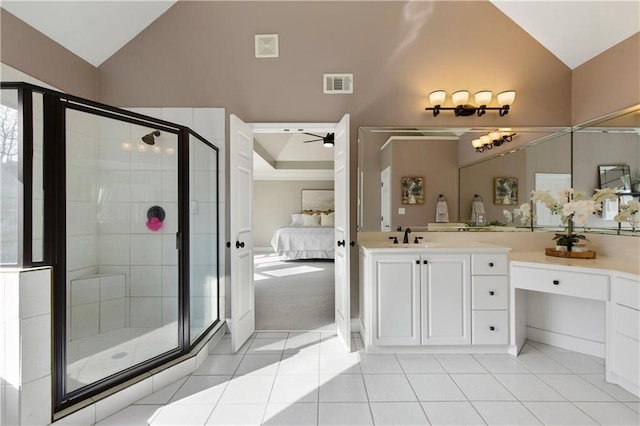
x=627 y=322
x=578 y=284
x=490 y=328
x=489 y=292
x=626 y=291
x=489 y=264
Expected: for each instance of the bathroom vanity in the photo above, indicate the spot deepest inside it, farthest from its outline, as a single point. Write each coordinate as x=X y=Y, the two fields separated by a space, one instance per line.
x=471 y=297
x=610 y=283
x=430 y=297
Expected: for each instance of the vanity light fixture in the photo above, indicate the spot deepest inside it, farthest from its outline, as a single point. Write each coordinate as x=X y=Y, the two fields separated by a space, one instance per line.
x=461 y=108
x=488 y=141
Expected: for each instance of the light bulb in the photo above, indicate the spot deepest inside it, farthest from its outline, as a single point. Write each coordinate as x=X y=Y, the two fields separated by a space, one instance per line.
x=476 y=143
x=494 y=136
x=485 y=140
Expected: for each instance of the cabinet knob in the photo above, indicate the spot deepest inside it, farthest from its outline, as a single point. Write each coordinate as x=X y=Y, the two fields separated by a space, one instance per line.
x=417 y=262
x=425 y=261
x=490 y=264
x=556 y=282
x=491 y=293
x=492 y=328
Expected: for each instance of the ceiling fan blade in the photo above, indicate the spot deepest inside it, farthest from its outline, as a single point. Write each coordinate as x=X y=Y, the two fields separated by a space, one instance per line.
x=311 y=134
x=314 y=140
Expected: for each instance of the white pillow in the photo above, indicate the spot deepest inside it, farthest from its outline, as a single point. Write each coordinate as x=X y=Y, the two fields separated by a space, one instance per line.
x=296 y=219
x=311 y=219
x=327 y=219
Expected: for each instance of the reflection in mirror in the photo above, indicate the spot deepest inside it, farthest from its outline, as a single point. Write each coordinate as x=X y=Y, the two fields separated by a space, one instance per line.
x=615 y=177
x=386 y=158
x=386 y=155
x=612 y=141
x=543 y=163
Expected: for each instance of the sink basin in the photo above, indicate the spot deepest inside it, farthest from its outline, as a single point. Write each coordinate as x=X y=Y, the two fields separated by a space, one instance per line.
x=413 y=245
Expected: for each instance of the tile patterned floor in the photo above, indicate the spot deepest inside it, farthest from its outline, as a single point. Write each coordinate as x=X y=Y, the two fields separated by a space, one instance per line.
x=306 y=379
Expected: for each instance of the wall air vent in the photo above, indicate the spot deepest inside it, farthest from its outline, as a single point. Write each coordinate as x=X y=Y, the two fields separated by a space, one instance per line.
x=266 y=45
x=337 y=83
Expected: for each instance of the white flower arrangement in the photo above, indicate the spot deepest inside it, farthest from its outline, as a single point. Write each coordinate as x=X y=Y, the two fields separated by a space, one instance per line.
x=629 y=213
x=576 y=209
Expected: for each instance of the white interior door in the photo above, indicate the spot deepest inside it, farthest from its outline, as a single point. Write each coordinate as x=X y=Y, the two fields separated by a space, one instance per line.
x=243 y=316
x=552 y=182
x=343 y=234
x=385 y=199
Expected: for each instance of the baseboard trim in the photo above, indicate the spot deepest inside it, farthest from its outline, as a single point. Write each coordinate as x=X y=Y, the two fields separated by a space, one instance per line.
x=355 y=325
x=564 y=341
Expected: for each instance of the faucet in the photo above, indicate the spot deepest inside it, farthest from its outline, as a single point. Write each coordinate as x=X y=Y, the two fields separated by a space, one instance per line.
x=405 y=239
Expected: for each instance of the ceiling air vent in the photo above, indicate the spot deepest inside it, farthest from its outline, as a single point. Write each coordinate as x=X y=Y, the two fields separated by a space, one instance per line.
x=338 y=83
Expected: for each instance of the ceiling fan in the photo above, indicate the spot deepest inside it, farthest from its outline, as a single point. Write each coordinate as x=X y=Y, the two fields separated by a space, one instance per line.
x=327 y=141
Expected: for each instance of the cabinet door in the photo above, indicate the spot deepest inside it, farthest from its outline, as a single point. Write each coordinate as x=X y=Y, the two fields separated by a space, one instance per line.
x=446 y=299
x=396 y=300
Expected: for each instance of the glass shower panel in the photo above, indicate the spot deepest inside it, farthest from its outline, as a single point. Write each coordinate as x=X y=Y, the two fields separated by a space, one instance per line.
x=9 y=182
x=122 y=261
x=38 y=182
x=203 y=285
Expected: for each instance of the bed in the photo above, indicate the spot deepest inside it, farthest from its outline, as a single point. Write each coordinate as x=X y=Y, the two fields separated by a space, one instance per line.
x=308 y=237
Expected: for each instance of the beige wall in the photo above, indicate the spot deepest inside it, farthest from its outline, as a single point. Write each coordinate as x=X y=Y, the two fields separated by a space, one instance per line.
x=398 y=52
x=607 y=83
x=273 y=203
x=33 y=53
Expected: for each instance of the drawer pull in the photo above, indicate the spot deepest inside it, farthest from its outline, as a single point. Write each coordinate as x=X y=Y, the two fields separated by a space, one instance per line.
x=490 y=264
x=556 y=282
x=491 y=293
x=492 y=328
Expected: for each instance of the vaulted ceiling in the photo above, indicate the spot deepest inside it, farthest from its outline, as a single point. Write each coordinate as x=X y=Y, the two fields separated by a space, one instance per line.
x=573 y=30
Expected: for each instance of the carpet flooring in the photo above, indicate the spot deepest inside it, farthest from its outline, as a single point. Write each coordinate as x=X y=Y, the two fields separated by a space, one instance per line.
x=293 y=295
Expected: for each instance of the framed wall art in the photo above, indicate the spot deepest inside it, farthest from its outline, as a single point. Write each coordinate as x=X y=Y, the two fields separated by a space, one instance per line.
x=317 y=200
x=506 y=191
x=413 y=190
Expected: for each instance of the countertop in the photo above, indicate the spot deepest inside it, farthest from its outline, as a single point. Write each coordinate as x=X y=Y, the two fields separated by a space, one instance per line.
x=605 y=263
x=426 y=247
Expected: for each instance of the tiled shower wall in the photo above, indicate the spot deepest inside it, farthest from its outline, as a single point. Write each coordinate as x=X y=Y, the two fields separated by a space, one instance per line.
x=113 y=180
x=210 y=124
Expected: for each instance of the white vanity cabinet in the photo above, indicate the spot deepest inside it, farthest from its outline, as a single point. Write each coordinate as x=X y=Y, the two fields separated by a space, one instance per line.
x=418 y=297
x=394 y=289
x=625 y=342
x=490 y=299
x=446 y=299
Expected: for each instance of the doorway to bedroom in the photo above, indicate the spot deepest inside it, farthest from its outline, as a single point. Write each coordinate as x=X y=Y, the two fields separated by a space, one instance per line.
x=294 y=238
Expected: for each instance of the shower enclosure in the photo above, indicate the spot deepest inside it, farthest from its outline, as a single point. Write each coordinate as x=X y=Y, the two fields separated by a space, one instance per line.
x=124 y=207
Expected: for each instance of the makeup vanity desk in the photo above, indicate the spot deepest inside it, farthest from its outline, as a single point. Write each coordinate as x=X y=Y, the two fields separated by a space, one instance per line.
x=616 y=284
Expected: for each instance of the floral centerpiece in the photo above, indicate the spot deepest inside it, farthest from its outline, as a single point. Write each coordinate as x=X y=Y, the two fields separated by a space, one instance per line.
x=573 y=207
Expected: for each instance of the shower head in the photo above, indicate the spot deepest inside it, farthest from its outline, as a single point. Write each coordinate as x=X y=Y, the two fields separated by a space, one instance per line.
x=150 y=138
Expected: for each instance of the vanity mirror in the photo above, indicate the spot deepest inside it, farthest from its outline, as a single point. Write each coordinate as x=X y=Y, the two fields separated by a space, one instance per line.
x=606 y=153
x=386 y=154
x=539 y=158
